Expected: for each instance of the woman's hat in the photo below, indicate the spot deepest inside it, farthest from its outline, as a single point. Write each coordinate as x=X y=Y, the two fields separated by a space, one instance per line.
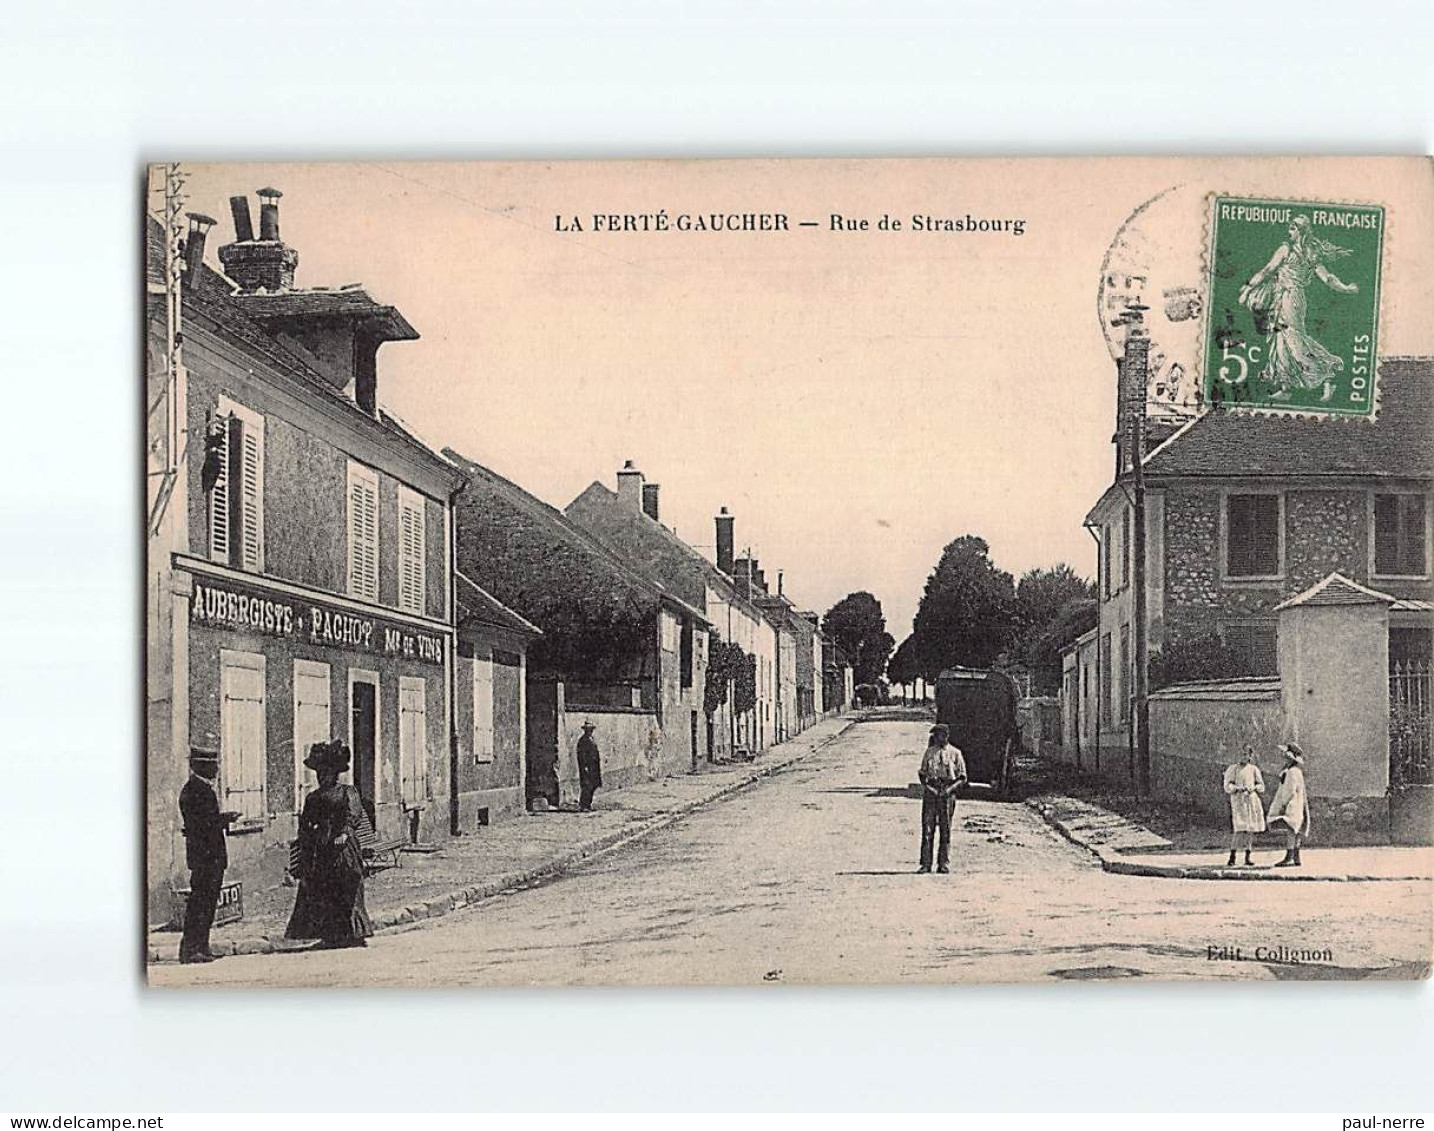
x=328 y=756
x=1293 y=752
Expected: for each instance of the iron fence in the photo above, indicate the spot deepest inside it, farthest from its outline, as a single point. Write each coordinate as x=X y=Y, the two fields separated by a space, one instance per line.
x=1409 y=723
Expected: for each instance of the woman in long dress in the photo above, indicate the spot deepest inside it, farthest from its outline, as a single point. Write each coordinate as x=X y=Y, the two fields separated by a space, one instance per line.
x=330 y=903
x=1290 y=807
x=1275 y=295
x=1244 y=784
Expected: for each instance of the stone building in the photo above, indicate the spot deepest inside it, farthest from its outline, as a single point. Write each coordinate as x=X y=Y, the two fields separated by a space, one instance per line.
x=298 y=567
x=1243 y=512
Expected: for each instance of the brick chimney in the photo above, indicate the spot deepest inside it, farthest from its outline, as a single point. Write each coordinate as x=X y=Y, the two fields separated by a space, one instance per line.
x=265 y=264
x=629 y=486
x=649 y=500
x=725 y=524
x=199 y=225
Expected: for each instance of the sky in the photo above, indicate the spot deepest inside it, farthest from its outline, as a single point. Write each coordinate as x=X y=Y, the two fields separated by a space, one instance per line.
x=857 y=399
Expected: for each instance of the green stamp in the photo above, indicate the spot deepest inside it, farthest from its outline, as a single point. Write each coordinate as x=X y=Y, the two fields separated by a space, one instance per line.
x=1293 y=306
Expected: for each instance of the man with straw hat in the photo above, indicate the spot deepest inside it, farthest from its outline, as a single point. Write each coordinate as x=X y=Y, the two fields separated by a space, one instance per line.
x=589 y=767
x=204 y=849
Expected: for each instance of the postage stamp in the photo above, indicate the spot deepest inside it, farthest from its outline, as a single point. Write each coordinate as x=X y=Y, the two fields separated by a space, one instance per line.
x=1293 y=321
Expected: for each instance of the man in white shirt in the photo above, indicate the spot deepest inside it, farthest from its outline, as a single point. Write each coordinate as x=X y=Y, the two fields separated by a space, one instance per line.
x=942 y=774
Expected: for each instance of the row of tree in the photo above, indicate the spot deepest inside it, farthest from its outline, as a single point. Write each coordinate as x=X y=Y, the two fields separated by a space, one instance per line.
x=974 y=614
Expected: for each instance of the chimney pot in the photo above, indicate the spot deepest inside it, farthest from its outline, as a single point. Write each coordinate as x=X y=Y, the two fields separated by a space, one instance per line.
x=269 y=214
x=725 y=547
x=199 y=225
x=649 y=500
x=243 y=221
x=629 y=486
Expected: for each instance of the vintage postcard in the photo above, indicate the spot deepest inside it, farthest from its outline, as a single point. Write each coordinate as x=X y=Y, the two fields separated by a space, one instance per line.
x=788 y=572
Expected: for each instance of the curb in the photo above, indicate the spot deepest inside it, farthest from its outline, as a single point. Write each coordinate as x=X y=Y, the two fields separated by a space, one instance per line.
x=405 y=918
x=1116 y=864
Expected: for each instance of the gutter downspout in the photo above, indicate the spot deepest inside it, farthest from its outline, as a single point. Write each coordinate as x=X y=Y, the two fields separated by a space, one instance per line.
x=452 y=519
x=1099 y=590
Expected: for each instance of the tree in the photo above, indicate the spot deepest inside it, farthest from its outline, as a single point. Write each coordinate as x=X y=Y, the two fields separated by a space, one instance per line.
x=1042 y=593
x=903 y=667
x=967 y=615
x=1043 y=654
x=858 y=626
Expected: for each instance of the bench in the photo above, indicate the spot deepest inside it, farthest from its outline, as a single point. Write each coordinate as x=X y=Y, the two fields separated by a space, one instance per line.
x=378 y=854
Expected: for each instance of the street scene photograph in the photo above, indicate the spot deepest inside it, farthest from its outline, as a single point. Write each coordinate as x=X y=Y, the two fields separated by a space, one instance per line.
x=787 y=572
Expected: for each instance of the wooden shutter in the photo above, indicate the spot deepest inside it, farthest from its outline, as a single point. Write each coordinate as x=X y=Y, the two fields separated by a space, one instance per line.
x=413 y=739
x=242 y=732
x=250 y=491
x=411 y=560
x=363 y=532
x=312 y=721
x=219 y=503
x=482 y=709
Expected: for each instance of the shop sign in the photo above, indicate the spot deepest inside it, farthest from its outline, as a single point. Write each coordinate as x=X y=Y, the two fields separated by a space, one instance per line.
x=224 y=605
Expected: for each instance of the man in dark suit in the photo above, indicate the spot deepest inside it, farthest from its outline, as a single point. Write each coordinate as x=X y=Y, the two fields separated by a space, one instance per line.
x=204 y=849
x=589 y=767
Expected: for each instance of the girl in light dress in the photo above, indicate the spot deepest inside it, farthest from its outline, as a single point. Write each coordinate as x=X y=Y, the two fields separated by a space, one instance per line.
x=1244 y=784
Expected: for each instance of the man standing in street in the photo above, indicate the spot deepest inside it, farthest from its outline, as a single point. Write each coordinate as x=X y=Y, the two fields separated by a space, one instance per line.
x=204 y=849
x=589 y=767
x=942 y=774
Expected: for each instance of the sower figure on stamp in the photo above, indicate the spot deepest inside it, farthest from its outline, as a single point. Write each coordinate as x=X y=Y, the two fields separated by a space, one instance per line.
x=204 y=849
x=589 y=768
x=1290 y=807
x=942 y=774
x=1244 y=784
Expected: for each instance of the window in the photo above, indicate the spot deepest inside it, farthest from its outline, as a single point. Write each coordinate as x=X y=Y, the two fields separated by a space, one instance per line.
x=311 y=721
x=1254 y=644
x=482 y=709
x=413 y=740
x=1127 y=685
x=1400 y=536
x=1107 y=681
x=363 y=532
x=241 y=734
x=1252 y=535
x=236 y=500
x=1125 y=541
x=411 y=586
x=685 y=659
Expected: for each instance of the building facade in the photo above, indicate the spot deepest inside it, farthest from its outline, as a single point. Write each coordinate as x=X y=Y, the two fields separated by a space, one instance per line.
x=298 y=558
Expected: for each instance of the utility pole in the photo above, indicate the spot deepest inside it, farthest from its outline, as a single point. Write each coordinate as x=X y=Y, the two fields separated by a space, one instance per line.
x=1135 y=370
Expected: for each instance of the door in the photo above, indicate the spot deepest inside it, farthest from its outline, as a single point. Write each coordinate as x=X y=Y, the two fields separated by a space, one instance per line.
x=311 y=722
x=694 y=741
x=363 y=739
x=413 y=741
x=242 y=733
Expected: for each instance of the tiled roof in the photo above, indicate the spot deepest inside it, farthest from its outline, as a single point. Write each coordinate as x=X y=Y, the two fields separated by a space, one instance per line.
x=1231 y=690
x=533 y=552
x=649 y=546
x=1399 y=444
x=476 y=603
x=213 y=299
x=351 y=300
x=1336 y=589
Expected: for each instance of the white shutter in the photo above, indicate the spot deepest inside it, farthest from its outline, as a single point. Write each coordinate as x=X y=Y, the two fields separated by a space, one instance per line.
x=363 y=532
x=413 y=739
x=312 y=721
x=251 y=501
x=411 y=578
x=219 y=505
x=482 y=709
x=242 y=737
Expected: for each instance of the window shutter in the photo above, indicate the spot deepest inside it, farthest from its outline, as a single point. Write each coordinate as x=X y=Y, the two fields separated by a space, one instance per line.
x=312 y=721
x=482 y=709
x=251 y=497
x=242 y=736
x=413 y=739
x=363 y=533
x=219 y=503
x=411 y=575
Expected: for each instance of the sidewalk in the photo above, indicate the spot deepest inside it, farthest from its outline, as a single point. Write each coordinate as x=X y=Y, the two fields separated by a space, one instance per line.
x=520 y=851
x=1128 y=848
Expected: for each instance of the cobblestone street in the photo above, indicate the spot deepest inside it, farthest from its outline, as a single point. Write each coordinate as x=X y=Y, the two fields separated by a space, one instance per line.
x=809 y=877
